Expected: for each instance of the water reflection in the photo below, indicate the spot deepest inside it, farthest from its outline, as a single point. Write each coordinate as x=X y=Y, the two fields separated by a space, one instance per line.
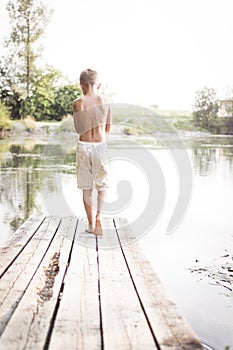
x=206 y=153
x=19 y=182
x=23 y=171
x=204 y=160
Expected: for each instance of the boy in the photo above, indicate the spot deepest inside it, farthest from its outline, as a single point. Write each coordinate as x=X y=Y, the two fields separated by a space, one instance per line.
x=92 y=120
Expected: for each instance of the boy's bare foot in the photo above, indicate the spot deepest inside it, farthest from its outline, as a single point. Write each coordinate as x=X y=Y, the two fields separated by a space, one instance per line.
x=98 y=228
x=89 y=229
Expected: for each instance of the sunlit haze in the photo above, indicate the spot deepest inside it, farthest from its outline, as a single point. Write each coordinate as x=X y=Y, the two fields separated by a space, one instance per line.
x=148 y=52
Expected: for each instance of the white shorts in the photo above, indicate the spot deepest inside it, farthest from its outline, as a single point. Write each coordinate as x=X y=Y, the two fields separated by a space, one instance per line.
x=92 y=165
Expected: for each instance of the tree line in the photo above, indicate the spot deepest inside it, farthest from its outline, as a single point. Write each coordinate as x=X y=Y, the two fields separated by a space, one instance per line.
x=206 y=112
x=26 y=87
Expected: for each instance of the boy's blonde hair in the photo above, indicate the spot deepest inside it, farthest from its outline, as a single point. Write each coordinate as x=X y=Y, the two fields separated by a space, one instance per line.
x=88 y=77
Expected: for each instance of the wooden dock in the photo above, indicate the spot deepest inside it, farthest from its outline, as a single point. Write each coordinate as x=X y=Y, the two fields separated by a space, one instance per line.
x=61 y=288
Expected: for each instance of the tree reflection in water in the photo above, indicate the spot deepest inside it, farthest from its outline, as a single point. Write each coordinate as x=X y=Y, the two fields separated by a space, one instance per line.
x=23 y=172
x=19 y=182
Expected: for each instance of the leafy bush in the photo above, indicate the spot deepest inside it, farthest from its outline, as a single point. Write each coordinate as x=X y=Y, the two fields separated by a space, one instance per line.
x=51 y=95
x=184 y=125
x=29 y=123
x=128 y=130
x=5 y=123
x=64 y=97
x=226 y=125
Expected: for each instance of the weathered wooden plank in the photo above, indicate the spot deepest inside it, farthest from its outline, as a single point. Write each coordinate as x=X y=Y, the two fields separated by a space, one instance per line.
x=170 y=329
x=13 y=247
x=109 y=238
x=124 y=324
x=77 y=325
x=131 y=312
x=84 y=238
x=29 y=326
x=15 y=281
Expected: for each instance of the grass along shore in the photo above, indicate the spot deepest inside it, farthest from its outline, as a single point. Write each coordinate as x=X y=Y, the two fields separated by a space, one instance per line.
x=131 y=121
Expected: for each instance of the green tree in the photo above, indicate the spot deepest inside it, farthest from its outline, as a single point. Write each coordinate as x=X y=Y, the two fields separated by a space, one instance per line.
x=64 y=96
x=228 y=121
x=52 y=95
x=205 y=114
x=4 y=117
x=28 y=19
x=43 y=93
x=10 y=91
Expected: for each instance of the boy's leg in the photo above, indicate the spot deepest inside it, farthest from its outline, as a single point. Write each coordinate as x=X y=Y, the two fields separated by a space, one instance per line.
x=98 y=221
x=100 y=175
x=87 y=201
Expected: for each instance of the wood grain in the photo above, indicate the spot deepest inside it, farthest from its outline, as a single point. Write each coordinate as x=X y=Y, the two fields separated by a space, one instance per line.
x=77 y=325
x=64 y=289
x=169 y=327
x=124 y=325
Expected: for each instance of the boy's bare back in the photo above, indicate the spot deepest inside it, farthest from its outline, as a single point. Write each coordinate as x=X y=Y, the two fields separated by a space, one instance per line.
x=92 y=117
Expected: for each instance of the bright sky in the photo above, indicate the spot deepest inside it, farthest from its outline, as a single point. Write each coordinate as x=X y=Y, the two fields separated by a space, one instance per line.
x=146 y=51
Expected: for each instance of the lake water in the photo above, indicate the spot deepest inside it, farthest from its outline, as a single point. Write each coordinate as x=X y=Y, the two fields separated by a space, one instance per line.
x=195 y=261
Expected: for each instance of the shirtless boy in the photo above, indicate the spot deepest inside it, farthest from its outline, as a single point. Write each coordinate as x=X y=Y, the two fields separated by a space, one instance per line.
x=92 y=120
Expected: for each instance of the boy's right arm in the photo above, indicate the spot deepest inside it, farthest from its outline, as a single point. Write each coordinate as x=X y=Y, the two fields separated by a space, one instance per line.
x=77 y=107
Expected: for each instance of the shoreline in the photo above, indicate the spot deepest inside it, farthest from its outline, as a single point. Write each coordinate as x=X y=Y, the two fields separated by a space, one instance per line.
x=66 y=127
x=45 y=129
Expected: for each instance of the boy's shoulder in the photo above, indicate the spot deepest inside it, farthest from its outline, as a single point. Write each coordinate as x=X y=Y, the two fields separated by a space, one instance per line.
x=77 y=103
x=80 y=103
x=105 y=100
x=78 y=100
